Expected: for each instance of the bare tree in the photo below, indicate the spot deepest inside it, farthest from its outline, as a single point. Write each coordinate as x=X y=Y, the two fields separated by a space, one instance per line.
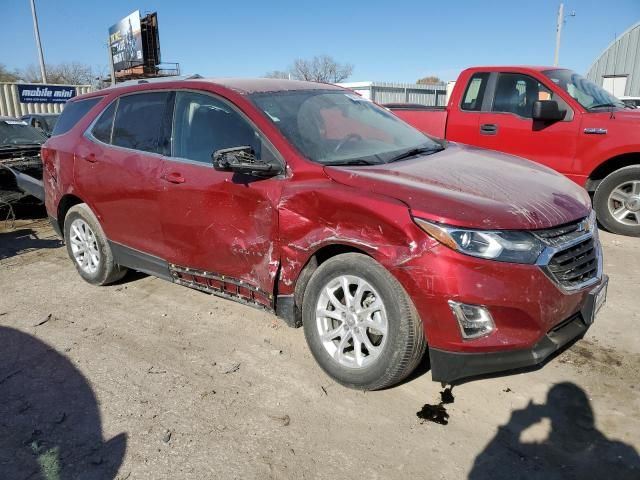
x=72 y=73
x=321 y=68
x=431 y=80
x=277 y=74
x=6 y=75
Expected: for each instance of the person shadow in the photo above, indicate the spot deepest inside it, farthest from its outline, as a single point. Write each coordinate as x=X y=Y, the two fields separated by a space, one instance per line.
x=50 y=426
x=574 y=448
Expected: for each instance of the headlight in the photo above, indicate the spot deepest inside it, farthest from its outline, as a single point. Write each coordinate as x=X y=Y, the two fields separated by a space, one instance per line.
x=501 y=245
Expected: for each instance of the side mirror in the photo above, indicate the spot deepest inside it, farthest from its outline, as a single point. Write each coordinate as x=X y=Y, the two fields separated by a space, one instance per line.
x=242 y=160
x=547 y=111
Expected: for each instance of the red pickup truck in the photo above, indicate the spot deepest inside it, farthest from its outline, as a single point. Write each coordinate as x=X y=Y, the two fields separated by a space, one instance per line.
x=552 y=116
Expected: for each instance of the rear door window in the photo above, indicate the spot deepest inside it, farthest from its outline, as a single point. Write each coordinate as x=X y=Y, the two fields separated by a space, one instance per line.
x=104 y=126
x=474 y=95
x=72 y=114
x=140 y=120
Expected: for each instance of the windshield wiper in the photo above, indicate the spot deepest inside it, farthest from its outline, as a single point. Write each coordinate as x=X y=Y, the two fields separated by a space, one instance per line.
x=352 y=161
x=416 y=151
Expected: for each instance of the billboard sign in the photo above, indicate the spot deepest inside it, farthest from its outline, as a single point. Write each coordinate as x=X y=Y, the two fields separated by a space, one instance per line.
x=125 y=40
x=45 y=93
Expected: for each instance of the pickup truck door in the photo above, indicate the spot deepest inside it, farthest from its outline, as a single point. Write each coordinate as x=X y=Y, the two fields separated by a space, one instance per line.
x=220 y=228
x=505 y=124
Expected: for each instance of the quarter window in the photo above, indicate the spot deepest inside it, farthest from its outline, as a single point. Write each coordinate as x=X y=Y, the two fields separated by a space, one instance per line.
x=203 y=124
x=139 y=121
x=72 y=114
x=474 y=94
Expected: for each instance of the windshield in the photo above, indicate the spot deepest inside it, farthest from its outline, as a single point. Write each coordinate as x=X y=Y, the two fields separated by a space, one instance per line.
x=584 y=91
x=50 y=120
x=334 y=127
x=17 y=132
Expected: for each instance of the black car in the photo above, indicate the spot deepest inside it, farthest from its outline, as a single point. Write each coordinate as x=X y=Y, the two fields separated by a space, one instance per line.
x=20 y=163
x=43 y=121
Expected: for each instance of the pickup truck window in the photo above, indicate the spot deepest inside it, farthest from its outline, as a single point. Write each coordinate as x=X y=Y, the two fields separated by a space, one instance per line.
x=516 y=93
x=203 y=124
x=474 y=94
x=337 y=127
x=584 y=91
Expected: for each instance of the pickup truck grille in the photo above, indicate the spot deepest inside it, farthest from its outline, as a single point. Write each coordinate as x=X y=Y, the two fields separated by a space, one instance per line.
x=573 y=255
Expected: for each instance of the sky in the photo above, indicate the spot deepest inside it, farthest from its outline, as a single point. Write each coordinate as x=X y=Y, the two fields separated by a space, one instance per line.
x=396 y=41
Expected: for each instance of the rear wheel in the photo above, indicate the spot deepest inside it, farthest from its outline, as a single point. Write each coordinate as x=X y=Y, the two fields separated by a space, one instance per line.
x=87 y=246
x=617 y=201
x=360 y=324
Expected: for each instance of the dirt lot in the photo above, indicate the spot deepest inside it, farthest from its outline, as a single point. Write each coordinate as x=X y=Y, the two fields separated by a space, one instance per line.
x=149 y=380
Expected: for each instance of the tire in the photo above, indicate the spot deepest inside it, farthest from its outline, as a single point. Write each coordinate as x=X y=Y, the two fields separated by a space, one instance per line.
x=82 y=233
x=393 y=354
x=610 y=197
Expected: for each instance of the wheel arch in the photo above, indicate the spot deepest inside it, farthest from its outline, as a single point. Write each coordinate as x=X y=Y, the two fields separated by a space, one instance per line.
x=64 y=205
x=609 y=166
x=290 y=307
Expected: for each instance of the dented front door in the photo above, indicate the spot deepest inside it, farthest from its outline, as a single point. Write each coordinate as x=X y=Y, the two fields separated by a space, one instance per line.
x=219 y=228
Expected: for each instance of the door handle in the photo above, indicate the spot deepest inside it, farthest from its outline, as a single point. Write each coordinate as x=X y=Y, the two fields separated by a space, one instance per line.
x=173 y=177
x=91 y=158
x=488 y=129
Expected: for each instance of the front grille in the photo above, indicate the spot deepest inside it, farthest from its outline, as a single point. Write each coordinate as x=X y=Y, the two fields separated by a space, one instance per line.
x=576 y=265
x=573 y=258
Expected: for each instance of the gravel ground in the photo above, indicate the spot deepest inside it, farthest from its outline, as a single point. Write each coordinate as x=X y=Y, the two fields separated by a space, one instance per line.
x=150 y=380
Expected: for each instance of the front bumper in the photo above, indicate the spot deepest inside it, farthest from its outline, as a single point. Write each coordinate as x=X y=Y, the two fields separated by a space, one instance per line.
x=451 y=367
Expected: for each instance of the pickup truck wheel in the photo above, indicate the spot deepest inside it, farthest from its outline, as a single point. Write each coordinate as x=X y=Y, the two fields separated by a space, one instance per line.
x=617 y=201
x=88 y=248
x=360 y=324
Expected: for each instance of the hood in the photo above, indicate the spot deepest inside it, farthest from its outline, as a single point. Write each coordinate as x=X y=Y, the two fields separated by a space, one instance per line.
x=470 y=187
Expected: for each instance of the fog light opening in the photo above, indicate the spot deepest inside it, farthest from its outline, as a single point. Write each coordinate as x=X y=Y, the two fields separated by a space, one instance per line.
x=475 y=321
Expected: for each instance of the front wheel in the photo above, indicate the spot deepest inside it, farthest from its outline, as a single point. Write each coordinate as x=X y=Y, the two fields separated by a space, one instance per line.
x=360 y=324
x=617 y=201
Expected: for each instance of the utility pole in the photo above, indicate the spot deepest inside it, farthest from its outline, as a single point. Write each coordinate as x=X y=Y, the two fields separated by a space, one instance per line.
x=559 y=23
x=111 y=67
x=36 y=31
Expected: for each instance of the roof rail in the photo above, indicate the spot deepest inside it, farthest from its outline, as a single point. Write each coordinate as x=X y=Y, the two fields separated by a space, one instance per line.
x=140 y=81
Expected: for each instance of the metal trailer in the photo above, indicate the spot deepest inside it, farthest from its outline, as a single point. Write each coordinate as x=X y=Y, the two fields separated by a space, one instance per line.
x=386 y=92
x=10 y=105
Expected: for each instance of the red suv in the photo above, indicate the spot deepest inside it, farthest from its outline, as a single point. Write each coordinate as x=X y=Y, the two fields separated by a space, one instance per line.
x=311 y=202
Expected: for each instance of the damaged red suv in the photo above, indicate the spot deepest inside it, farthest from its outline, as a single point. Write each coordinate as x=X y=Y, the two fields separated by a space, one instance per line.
x=311 y=202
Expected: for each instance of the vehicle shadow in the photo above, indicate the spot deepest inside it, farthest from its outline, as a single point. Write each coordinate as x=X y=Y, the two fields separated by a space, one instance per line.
x=15 y=242
x=50 y=426
x=573 y=449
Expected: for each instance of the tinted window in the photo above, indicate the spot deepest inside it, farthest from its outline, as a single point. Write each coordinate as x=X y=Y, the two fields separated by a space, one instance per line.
x=139 y=121
x=102 y=128
x=516 y=93
x=202 y=124
x=474 y=94
x=72 y=113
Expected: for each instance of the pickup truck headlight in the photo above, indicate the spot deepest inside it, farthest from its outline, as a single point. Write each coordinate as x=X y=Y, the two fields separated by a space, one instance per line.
x=501 y=245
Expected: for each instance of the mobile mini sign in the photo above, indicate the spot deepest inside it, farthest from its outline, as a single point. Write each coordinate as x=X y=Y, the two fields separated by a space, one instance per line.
x=45 y=93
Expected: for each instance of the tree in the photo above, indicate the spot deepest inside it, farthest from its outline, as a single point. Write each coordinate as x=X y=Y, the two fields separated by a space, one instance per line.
x=278 y=74
x=322 y=68
x=6 y=75
x=72 y=73
x=431 y=80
